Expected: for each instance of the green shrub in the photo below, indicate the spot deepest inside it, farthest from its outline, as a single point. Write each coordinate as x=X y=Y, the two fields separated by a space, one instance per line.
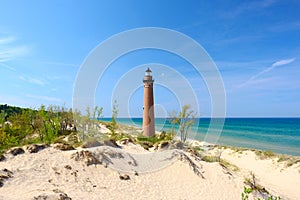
x=246 y=192
x=119 y=136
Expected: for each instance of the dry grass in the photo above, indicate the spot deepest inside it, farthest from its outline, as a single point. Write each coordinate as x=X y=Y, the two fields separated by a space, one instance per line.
x=265 y=154
x=211 y=159
x=228 y=165
x=252 y=182
x=292 y=161
x=239 y=150
x=224 y=163
x=289 y=160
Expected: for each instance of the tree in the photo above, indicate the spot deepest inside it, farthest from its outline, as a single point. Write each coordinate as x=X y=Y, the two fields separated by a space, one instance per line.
x=94 y=112
x=97 y=113
x=2 y=119
x=77 y=118
x=113 y=125
x=48 y=124
x=184 y=120
x=88 y=112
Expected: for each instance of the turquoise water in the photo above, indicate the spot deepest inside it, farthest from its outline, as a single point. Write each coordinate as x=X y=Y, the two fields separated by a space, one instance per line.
x=281 y=135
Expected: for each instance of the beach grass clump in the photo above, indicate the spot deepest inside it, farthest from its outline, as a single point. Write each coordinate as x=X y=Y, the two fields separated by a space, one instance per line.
x=239 y=150
x=198 y=149
x=162 y=138
x=228 y=165
x=224 y=163
x=152 y=139
x=289 y=160
x=210 y=158
x=283 y=158
x=292 y=162
x=156 y=138
x=120 y=136
x=265 y=154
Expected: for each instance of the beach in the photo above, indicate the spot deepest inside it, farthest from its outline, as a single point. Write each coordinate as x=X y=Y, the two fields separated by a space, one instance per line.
x=54 y=174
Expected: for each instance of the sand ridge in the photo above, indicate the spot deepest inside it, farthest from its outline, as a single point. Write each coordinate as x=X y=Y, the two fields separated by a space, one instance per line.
x=52 y=172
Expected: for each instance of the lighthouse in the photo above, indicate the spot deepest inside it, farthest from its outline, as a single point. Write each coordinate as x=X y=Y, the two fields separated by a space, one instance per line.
x=148 y=115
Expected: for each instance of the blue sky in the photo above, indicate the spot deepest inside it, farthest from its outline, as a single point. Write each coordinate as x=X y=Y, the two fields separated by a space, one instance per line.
x=255 y=45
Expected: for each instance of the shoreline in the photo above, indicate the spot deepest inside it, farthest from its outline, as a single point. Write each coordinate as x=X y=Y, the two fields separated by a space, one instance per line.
x=237 y=142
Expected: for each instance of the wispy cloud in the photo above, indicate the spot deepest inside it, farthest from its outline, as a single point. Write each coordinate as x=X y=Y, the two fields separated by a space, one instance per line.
x=7 y=66
x=250 y=6
x=32 y=80
x=274 y=65
x=6 y=40
x=59 y=64
x=45 y=98
x=9 y=50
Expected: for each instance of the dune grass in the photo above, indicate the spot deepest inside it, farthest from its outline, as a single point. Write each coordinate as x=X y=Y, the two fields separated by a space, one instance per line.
x=229 y=165
x=288 y=160
x=224 y=163
x=265 y=154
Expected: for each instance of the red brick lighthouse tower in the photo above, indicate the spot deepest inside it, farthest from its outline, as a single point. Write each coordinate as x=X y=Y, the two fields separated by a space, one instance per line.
x=148 y=116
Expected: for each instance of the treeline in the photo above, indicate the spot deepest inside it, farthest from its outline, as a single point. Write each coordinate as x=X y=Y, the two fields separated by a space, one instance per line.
x=20 y=126
x=7 y=110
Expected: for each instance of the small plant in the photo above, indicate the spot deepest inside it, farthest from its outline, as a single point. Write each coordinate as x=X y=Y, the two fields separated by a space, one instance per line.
x=113 y=124
x=292 y=161
x=246 y=192
x=252 y=182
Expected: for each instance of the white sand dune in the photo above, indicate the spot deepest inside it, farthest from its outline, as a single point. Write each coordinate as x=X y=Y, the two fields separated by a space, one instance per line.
x=53 y=173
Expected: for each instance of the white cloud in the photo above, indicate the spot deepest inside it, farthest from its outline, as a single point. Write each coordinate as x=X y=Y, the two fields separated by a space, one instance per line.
x=9 y=50
x=7 y=40
x=274 y=65
x=32 y=80
x=283 y=62
x=11 y=53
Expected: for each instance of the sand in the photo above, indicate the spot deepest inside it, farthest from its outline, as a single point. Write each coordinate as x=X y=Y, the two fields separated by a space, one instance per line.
x=53 y=173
